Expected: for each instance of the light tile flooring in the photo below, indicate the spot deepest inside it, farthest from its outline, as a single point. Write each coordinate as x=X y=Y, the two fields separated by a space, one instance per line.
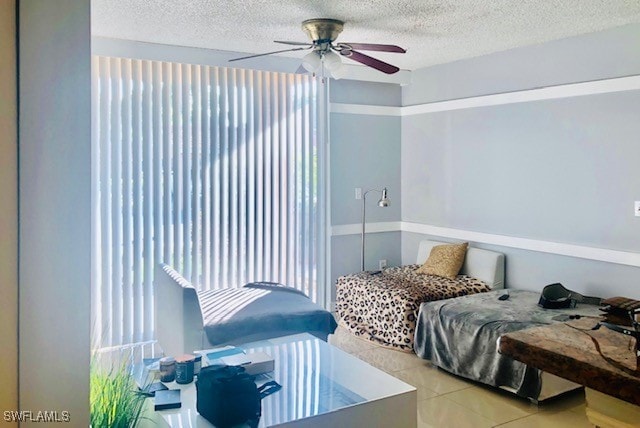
x=445 y=400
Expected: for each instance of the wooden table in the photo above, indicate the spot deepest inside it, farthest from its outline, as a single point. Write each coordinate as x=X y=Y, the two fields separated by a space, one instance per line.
x=568 y=350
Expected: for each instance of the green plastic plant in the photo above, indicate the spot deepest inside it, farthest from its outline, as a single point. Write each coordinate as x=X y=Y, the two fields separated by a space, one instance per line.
x=114 y=397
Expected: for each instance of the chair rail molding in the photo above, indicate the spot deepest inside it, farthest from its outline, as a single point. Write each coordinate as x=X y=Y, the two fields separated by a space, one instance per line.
x=563 y=249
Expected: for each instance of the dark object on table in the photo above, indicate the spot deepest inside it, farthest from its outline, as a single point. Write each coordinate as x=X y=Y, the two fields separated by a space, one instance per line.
x=629 y=325
x=227 y=396
x=556 y=296
x=184 y=369
x=151 y=389
x=616 y=310
x=167 y=399
x=167 y=369
x=565 y=317
x=197 y=364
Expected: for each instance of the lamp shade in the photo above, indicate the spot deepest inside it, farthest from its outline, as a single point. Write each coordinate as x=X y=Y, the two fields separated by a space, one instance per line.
x=384 y=199
x=311 y=61
x=332 y=61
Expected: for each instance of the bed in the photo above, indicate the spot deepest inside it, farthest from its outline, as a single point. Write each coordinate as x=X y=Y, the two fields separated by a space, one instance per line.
x=461 y=336
x=384 y=307
x=188 y=320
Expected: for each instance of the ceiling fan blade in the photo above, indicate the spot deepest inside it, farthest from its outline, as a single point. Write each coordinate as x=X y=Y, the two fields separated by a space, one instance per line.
x=373 y=47
x=268 y=53
x=370 y=61
x=292 y=43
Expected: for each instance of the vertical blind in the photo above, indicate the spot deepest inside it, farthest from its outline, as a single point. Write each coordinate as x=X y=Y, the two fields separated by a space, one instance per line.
x=214 y=171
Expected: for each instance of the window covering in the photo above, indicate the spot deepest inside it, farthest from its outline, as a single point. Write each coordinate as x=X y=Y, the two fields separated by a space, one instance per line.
x=215 y=171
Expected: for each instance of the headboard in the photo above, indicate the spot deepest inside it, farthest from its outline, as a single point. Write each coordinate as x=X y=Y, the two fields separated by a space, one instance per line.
x=485 y=265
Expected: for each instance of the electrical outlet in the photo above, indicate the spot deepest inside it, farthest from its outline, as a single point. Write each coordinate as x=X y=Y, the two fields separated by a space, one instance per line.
x=382 y=264
x=358 y=192
x=637 y=208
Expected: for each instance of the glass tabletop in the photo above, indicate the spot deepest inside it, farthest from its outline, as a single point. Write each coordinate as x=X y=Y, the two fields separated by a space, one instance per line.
x=316 y=378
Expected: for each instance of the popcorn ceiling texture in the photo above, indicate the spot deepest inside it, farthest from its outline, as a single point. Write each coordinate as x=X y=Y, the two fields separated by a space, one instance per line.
x=433 y=32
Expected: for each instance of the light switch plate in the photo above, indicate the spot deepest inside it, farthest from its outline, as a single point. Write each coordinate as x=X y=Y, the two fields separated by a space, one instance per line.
x=637 y=208
x=358 y=192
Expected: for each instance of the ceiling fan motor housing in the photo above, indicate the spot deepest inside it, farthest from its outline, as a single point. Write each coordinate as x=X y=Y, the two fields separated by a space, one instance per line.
x=322 y=30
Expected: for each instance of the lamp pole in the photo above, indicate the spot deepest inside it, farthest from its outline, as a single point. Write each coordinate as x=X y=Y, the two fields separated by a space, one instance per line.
x=383 y=202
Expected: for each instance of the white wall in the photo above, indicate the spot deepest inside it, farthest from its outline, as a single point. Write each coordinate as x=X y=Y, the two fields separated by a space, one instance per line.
x=55 y=206
x=8 y=208
x=561 y=170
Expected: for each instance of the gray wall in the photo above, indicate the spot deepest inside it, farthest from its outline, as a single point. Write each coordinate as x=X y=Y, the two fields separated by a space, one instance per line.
x=365 y=153
x=367 y=93
x=574 y=59
x=55 y=206
x=563 y=170
x=345 y=252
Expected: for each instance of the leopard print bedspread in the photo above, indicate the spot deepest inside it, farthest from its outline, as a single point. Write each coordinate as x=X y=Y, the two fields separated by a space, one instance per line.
x=384 y=308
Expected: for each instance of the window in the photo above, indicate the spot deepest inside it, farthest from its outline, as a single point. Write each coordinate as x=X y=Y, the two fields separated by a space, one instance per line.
x=214 y=171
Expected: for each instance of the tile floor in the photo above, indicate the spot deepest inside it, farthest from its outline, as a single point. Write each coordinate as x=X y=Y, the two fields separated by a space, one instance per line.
x=447 y=401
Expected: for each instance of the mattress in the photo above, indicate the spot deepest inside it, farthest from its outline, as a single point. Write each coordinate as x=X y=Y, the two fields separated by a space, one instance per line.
x=384 y=307
x=461 y=336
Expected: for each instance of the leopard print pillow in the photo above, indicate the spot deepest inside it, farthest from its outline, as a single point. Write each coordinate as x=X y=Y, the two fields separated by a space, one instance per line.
x=445 y=260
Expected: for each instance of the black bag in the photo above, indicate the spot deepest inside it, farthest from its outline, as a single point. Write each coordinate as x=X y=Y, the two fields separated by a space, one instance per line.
x=556 y=296
x=227 y=396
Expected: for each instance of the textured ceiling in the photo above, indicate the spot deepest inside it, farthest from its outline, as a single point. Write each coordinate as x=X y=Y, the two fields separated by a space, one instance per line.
x=433 y=31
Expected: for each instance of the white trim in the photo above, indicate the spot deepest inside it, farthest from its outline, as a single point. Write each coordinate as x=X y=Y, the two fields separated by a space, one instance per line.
x=366 y=109
x=356 y=228
x=617 y=84
x=571 y=250
x=552 y=92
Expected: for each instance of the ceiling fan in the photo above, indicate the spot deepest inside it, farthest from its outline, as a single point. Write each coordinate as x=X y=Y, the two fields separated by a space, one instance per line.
x=323 y=33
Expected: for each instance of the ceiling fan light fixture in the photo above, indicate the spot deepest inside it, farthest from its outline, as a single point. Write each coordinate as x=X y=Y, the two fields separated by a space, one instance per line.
x=325 y=55
x=311 y=61
x=339 y=72
x=332 y=61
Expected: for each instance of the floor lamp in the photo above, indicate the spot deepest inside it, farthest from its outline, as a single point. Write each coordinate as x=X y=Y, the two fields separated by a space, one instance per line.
x=383 y=202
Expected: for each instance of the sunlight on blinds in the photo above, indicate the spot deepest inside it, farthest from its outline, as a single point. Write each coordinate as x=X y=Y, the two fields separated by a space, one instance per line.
x=212 y=170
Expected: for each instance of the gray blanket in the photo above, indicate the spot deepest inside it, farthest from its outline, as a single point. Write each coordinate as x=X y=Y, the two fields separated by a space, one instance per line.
x=263 y=307
x=460 y=335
